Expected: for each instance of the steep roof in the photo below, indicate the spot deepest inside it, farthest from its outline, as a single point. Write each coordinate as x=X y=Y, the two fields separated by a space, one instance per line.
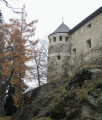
x=61 y=29
x=65 y=29
x=98 y=11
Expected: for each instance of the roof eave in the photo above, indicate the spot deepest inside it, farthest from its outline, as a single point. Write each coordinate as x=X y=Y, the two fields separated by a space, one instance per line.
x=56 y=33
x=98 y=11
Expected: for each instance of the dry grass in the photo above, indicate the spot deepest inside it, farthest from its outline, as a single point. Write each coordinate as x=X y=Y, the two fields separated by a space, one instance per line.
x=5 y=118
x=42 y=118
x=65 y=79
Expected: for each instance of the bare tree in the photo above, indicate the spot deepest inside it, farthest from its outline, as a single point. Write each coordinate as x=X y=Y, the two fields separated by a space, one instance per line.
x=39 y=69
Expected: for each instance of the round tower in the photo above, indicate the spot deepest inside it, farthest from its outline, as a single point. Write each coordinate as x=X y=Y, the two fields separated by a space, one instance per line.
x=59 y=53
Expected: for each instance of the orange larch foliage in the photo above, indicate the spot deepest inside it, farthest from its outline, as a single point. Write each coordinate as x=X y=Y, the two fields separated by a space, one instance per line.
x=17 y=51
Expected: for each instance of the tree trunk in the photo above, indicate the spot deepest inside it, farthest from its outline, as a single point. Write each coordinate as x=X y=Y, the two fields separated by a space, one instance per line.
x=2 y=95
x=38 y=76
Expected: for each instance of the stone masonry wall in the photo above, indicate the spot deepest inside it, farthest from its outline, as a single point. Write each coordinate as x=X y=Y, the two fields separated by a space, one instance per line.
x=82 y=50
x=59 y=54
x=87 y=57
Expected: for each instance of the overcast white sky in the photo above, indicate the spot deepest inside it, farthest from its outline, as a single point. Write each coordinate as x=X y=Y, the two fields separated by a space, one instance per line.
x=50 y=12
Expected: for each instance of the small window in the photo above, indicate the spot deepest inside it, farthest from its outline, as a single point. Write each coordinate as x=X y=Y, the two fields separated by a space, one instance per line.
x=58 y=57
x=88 y=44
x=60 y=38
x=89 y=25
x=74 y=51
x=54 y=39
x=50 y=40
x=66 y=39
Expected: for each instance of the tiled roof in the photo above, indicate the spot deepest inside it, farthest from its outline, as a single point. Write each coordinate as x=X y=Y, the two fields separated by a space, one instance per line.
x=62 y=29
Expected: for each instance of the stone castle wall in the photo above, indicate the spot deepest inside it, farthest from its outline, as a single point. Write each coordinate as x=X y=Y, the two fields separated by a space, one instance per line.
x=59 y=53
x=88 y=44
x=82 y=50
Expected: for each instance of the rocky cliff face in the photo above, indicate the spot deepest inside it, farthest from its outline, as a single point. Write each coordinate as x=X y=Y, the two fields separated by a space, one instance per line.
x=77 y=99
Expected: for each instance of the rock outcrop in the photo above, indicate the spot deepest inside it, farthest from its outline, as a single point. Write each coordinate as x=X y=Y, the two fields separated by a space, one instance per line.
x=77 y=99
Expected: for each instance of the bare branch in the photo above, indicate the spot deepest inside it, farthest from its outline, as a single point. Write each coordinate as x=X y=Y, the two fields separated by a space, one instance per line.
x=8 y=5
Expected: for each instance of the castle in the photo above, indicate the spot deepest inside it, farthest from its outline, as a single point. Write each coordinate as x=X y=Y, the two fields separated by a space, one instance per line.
x=74 y=49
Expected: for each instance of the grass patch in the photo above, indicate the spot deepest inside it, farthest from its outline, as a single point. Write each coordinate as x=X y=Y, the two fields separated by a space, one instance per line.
x=83 y=92
x=56 y=94
x=42 y=118
x=76 y=119
x=60 y=79
x=5 y=118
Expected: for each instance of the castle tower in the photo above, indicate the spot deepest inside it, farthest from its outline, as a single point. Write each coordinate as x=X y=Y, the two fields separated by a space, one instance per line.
x=59 y=53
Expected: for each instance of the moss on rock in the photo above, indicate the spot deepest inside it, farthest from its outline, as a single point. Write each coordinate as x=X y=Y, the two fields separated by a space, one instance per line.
x=74 y=99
